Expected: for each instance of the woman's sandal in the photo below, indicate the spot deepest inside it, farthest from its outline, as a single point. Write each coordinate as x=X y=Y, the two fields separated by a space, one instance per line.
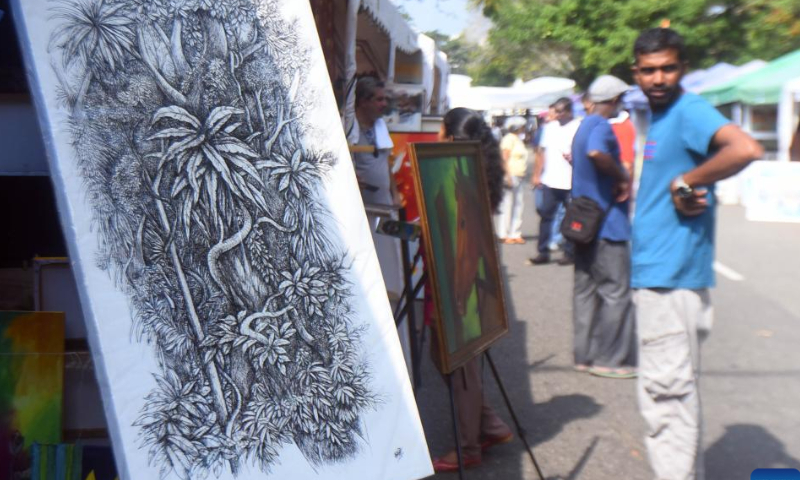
x=444 y=464
x=605 y=372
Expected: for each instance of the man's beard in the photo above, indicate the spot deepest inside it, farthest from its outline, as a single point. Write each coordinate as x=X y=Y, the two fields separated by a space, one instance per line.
x=663 y=96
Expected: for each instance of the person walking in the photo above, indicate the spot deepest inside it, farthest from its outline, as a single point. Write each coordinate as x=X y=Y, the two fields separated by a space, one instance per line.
x=552 y=174
x=508 y=221
x=604 y=330
x=690 y=146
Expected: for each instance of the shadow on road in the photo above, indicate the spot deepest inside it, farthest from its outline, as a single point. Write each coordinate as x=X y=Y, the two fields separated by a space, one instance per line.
x=550 y=417
x=574 y=474
x=744 y=448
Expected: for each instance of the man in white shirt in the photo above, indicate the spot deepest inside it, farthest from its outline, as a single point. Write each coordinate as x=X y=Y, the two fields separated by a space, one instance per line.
x=552 y=175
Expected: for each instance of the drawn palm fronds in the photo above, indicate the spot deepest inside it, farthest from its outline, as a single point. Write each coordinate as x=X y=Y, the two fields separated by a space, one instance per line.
x=204 y=188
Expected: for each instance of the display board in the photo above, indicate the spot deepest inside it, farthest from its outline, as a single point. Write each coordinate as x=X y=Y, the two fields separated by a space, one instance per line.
x=461 y=253
x=771 y=191
x=233 y=300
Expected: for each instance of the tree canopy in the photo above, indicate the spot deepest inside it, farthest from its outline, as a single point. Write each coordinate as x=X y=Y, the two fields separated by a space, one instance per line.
x=586 y=38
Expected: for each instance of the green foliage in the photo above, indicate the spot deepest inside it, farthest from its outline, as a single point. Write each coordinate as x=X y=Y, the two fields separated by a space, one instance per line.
x=477 y=61
x=586 y=38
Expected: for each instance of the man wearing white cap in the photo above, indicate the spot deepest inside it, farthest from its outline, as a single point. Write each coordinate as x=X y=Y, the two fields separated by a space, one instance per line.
x=604 y=329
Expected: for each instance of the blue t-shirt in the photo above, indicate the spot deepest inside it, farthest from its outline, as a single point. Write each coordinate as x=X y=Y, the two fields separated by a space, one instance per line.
x=671 y=250
x=595 y=134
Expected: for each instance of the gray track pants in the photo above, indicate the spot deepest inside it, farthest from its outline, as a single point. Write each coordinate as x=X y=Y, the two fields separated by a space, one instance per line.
x=671 y=326
x=602 y=312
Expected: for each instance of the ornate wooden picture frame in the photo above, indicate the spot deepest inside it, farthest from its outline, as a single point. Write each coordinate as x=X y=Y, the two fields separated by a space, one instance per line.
x=461 y=252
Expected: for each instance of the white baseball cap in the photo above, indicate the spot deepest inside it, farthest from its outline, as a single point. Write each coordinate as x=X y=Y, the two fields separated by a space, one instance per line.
x=606 y=88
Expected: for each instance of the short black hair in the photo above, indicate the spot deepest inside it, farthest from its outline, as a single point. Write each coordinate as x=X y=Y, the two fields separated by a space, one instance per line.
x=658 y=40
x=564 y=103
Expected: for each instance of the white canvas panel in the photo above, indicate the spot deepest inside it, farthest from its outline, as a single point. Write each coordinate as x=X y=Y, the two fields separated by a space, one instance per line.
x=233 y=299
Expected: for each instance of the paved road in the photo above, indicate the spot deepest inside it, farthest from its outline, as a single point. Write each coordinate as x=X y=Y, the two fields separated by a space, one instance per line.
x=583 y=427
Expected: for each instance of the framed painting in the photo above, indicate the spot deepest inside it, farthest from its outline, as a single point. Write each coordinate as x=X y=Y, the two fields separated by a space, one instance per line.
x=31 y=381
x=234 y=305
x=461 y=253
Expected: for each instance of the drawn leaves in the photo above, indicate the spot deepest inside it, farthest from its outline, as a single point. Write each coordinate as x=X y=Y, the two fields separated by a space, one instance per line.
x=293 y=175
x=94 y=27
x=203 y=153
x=249 y=317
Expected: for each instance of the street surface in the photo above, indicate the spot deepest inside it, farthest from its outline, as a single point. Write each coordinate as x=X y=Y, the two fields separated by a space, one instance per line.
x=585 y=427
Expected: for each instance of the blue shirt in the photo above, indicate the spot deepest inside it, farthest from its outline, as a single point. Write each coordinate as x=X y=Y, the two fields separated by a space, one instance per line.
x=595 y=134
x=671 y=250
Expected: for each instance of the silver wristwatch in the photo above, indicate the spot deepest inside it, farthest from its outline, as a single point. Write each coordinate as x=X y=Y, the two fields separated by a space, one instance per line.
x=682 y=188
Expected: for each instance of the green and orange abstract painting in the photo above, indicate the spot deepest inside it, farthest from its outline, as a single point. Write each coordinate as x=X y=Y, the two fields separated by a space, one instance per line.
x=440 y=181
x=31 y=385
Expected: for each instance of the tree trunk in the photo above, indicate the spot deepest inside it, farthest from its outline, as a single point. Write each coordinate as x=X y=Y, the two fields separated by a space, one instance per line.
x=169 y=91
x=225 y=245
x=216 y=39
x=176 y=44
x=260 y=107
x=83 y=89
x=247 y=116
x=194 y=320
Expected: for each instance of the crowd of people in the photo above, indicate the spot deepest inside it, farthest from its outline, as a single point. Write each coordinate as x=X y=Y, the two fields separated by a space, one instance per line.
x=641 y=305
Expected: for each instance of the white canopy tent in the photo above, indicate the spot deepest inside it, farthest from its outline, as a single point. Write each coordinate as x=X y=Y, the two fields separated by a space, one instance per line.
x=441 y=80
x=536 y=94
x=428 y=47
x=378 y=39
x=788 y=114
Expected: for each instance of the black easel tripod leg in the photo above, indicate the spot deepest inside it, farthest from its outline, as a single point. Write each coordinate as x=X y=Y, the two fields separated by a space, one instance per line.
x=456 y=431
x=520 y=430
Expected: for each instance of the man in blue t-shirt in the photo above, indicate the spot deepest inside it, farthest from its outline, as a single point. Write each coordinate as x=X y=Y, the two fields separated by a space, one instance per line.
x=689 y=147
x=604 y=331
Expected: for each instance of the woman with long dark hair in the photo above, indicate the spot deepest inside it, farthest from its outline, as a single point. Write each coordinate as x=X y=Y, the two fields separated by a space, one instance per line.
x=479 y=427
x=468 y=125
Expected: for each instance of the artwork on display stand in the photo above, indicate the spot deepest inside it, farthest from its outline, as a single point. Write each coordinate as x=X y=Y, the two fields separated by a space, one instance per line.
x=67 y=461
x=403 y=172
x=461 y=254
x=233 y=301
x=31 y=379
x=404 y=179
x=405 y=106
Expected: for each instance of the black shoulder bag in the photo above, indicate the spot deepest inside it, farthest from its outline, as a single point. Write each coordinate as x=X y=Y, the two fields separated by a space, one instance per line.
x=583 y=219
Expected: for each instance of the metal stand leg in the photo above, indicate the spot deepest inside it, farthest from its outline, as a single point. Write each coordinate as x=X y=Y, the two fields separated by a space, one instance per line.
x=520 y=430
x=456 y=432
x=411 y=315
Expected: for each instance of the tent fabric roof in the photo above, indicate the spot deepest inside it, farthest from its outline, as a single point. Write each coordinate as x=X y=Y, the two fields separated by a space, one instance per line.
x=761 y=87
x=385 y=14
x=533 y=94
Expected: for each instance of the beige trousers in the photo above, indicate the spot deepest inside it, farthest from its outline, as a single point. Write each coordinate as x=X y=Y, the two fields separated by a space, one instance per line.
x=671 y=325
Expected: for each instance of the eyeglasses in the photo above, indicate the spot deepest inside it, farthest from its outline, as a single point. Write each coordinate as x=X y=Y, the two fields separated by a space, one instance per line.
x=671 y=68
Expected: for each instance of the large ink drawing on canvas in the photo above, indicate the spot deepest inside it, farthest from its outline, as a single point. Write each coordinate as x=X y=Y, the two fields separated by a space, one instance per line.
x=187 y=121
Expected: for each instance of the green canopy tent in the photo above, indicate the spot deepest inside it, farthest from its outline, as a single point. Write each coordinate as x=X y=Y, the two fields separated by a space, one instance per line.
x=762 y=87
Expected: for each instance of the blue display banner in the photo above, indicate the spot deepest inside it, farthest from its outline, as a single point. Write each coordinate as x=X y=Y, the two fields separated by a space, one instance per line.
x=775 y=474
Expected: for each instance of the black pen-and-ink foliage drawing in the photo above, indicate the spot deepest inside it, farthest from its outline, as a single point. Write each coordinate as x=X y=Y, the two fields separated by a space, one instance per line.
x=188 y=121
